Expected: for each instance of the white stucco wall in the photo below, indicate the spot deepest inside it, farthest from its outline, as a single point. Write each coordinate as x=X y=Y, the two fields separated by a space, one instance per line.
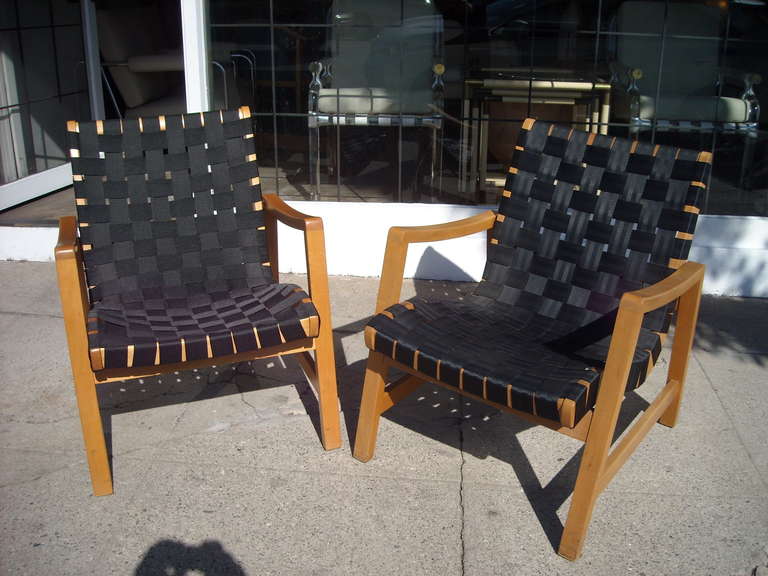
x=734 y=248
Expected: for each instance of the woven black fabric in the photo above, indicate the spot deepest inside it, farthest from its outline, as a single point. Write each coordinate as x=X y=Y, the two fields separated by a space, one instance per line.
x=156 y=321
x=172 y=228
x=583 y=219
x=169 y=204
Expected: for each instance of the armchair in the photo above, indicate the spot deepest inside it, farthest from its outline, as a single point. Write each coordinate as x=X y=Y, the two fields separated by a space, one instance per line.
x=172 y=263
x=585 y=271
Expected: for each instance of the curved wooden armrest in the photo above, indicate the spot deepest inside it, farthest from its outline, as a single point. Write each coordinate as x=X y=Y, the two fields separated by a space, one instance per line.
x=444 y=231
x=685 y=283
x=400 y=237
x=287 y=215
x=664 y=291
x=314 y=248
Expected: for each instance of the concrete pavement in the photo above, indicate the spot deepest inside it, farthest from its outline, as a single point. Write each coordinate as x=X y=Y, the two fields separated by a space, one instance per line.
x=221 y=471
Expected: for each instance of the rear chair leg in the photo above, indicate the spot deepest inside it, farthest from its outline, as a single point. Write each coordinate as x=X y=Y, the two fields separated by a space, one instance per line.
x=370 y=407
x=669 y=418
x=687 y=314
x=93 y=434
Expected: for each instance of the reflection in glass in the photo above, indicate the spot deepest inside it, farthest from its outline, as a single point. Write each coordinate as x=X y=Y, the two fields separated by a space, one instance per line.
x=679 y=72
x=42 y=85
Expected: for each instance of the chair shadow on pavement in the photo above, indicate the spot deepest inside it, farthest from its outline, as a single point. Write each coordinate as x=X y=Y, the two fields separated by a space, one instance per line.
x=122 y=397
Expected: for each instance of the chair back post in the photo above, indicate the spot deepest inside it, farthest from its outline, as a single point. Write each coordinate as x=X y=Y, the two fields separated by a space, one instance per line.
x=392 y=270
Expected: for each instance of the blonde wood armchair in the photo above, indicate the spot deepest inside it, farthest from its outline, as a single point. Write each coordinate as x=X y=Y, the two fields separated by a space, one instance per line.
x=586 y=268
x=172 y=264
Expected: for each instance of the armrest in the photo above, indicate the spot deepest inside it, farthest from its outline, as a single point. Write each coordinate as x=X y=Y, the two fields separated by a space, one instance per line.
x=400 y=237
x=685 y=283
x=665 y=291
x=72 y=290
x=289 y=216
x=314 y=246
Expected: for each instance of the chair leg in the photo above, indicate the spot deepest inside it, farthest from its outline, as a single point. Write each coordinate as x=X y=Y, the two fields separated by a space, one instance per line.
x=687 y=315
x=370 y=407
x=327 y=391
x=585 y=495
x=93 y=433
x=669 y=418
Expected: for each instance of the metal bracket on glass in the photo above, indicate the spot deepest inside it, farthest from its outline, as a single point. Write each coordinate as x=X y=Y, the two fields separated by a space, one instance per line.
x=315 y=85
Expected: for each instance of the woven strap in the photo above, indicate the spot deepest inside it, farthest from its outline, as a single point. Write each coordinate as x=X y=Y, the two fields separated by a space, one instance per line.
x=169 y=325
x=585 y=217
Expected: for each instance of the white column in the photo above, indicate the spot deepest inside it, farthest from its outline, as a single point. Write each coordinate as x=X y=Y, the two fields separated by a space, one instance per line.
x=194 y=30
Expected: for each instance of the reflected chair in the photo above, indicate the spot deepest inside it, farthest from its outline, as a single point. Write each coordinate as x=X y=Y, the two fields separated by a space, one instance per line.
x=381 y=72
x=172 y=263
x=695 y=93
x=586 y=267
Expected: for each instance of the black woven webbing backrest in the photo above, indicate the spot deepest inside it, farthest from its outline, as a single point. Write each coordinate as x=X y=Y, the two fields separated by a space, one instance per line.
x=585 y=217
x=169 y=202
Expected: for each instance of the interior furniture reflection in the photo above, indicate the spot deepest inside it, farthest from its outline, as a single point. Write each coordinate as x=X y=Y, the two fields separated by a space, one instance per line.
x=588 y=96
x=586 y=269
x=378 y=74
x=694 y=93
x=172 y=264
x=145 y=62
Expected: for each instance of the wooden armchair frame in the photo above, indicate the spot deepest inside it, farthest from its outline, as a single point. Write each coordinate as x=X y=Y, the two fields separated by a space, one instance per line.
x=320 y=371
x=596 y=429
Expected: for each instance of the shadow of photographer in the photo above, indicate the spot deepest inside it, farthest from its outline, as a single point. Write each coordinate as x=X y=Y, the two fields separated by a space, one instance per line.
x=168 y=557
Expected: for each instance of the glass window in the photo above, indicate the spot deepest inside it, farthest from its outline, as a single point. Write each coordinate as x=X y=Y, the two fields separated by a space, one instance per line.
x=422 y=100
x=42 y=84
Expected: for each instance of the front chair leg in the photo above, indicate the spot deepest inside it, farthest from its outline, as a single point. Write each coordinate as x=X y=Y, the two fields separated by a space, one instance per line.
x=585 y=494
x=93 y=434
x=370 y=408
x=328 y=398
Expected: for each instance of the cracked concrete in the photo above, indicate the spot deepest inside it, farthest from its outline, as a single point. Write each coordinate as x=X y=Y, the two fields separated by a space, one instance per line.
x=225 y=465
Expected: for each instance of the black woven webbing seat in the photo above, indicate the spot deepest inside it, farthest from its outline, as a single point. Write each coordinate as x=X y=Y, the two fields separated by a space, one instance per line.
x=172 y=264
x=583 y=219
x=163 y=326
x=171 y=221
x=503 y=354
